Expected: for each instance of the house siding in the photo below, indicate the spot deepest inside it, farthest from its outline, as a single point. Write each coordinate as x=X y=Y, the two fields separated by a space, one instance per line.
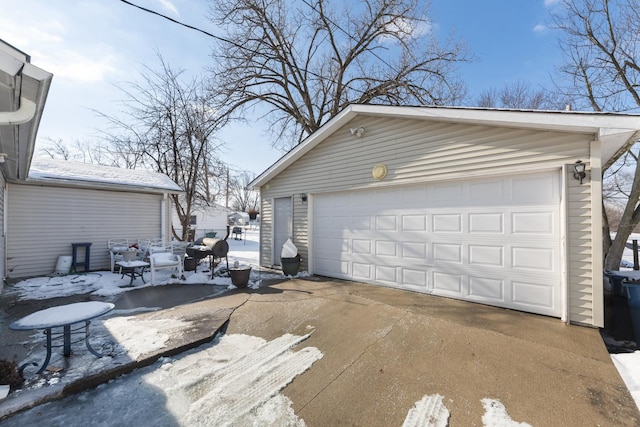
x=45 y=220
x=417 y=151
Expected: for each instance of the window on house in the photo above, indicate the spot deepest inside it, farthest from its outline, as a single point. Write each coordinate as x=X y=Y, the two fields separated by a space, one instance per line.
x=192 y=220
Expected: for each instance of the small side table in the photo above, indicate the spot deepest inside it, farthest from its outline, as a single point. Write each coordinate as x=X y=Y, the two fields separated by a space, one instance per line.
x=133 y=269
x=63 y=316
x=74 y=258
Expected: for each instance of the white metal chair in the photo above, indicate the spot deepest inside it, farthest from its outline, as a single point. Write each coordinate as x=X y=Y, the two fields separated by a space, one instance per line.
x=160 y=260
x=116 y=247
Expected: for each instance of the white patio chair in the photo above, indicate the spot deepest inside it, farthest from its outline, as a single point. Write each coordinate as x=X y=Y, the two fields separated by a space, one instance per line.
x=160 y=260
x=116 y=246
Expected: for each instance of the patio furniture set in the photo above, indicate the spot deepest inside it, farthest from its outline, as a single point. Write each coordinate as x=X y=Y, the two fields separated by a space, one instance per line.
x=133 y=259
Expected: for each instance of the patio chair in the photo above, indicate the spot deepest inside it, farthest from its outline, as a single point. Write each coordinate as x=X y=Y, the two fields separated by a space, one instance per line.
x=159 y=260
x=116 y=247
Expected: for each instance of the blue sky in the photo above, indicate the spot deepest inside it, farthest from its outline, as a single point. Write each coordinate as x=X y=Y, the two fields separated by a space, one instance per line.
x=91 y=45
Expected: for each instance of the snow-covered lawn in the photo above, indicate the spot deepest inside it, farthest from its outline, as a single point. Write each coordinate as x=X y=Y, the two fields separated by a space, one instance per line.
x=105 y=283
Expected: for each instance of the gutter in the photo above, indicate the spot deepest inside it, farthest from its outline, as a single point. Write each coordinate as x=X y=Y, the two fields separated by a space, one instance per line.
x=25 y=113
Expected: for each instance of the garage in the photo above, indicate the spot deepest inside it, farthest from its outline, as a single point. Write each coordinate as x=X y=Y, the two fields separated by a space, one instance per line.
x=500 y=207
x=492 y=240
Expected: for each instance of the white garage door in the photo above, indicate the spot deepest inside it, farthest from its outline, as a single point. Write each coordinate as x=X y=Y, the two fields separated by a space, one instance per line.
x=494 y=241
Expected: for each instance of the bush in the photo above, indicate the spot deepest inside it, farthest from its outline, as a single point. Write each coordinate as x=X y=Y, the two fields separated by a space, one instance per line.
x=9 y=374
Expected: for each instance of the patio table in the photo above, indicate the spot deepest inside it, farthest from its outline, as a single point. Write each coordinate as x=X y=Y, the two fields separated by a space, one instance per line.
x=133 y=269
x=63 y=316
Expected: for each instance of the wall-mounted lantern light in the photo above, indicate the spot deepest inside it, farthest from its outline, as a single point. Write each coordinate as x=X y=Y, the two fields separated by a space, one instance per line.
x=579 y=170
x=303 y=197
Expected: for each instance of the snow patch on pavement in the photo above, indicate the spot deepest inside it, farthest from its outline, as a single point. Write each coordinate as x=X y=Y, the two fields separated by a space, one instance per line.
x=233 y=381
x=428 y=412
x=495 y=415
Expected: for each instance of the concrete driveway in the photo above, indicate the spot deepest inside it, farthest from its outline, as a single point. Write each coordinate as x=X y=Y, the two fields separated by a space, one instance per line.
x=385 y=349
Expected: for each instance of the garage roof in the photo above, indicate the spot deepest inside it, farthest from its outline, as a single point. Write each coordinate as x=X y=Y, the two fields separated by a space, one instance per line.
x=75 y=174
x=616 y=131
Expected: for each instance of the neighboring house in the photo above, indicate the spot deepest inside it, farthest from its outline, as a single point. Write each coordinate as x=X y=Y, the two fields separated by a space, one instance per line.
x=239 y=218
x=65 y=202
x=204 y=220
x=473 y=204
x=23 y=93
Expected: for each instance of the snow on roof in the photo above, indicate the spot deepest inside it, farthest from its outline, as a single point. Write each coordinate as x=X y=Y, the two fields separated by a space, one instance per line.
x=55 y=170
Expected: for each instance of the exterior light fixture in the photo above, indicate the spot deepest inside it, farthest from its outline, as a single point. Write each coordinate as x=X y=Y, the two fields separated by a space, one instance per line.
x=303 y=197
x=2 y=157
x=357 y=132
x=579 y=170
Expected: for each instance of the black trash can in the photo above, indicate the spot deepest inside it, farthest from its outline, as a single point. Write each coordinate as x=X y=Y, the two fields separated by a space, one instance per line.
x=290 y=266
x=190 y=264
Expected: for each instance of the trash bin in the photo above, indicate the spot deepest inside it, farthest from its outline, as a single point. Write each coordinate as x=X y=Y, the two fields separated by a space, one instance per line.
x=633 y=297
x=290 y=266
x=190 y=264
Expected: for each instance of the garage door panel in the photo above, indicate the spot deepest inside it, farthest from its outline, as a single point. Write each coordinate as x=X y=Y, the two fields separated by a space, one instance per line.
x=414 y=278
x=537 y=223
x=487 y=289
x=386 y=222
x=413 y=223
x=447 y=223
x=447 y=253
x=480 y=222
x=494 y=241
x=386 y=248
x=486 y=255
x=534 y=295
x=361 y=246
x=447 y=283
x=362 y=271
x=533 y=259
x=414 y=251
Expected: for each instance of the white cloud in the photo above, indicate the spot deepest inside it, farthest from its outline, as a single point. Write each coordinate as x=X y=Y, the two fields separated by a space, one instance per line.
x=551 y=3
x=167 y=6
x=540 y=29
x=408 y=29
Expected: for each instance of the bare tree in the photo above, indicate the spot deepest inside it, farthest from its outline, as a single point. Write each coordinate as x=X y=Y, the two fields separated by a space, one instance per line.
x=306 y=60
x=519 y=95
x=169 y=127
x=602 y=63
x=242 y=198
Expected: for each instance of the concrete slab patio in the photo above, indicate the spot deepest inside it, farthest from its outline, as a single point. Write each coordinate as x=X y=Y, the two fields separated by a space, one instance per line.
x=384 y=349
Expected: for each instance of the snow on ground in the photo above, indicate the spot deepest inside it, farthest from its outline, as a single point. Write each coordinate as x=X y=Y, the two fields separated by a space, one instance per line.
x=105 y=283
x=233 y=381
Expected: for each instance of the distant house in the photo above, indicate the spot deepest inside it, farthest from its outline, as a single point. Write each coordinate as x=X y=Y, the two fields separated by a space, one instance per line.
x=205 y=219
x=239 y=218
x=23 y=93
x=488 y=206
x=63 y=202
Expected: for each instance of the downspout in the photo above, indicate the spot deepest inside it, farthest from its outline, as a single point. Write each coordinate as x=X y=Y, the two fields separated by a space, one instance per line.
x=163 y=217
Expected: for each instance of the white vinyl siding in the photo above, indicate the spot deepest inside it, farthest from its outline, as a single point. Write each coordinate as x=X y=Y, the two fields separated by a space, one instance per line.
x=45 y=220
x=579 y=250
